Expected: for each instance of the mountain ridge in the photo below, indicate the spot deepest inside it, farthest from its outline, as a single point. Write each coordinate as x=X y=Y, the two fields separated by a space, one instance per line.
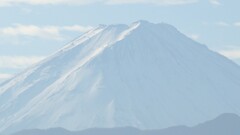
x=222 y=125
x=142 y=75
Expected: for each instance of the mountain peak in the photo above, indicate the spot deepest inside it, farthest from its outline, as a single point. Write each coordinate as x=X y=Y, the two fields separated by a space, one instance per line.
x=142 y=25
x=142 y=22
x=143 y=75
x=150 y=24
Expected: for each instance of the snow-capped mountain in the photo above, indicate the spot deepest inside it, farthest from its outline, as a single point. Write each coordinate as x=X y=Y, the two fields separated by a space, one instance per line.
x=143 y=75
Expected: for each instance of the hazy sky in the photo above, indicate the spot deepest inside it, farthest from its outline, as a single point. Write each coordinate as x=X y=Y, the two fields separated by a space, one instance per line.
x=30 y=30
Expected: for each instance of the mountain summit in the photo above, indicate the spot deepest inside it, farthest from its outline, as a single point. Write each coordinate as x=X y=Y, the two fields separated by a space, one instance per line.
x=143 y=75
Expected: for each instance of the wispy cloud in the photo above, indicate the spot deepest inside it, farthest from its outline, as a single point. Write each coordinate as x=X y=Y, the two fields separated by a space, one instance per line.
x=215 y=2
x=230 y=24
x=81 y=2
x=193 y=36
x=5 y=76
x=32 y=30
x=223 y=24
x=47 y=32
x=232 y=53
x=18 y=62
x=40 y=2
x=237 y=24
x=158 y=2
x=77 y=28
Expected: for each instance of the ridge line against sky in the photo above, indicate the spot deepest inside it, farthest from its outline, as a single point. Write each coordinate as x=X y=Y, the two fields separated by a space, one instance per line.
x=30 y=30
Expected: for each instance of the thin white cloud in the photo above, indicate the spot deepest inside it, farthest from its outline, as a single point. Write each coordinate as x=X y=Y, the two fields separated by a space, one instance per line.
x=5 y=76
x=32 y=30
x=47 y=32
x=232 y=54
x=44 y=2
x=215 y=2
x=237 y=24
x=81 y=2
x=158 y=2
x=193 y=36
x=26 y=10
x=77 y=28
x=18 y=62
x=223 y=24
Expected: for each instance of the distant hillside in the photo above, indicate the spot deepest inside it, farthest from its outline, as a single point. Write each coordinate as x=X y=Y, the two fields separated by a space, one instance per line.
x=227 y=124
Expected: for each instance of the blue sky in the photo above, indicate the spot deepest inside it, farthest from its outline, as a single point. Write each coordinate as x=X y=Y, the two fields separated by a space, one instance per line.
x=30 y=30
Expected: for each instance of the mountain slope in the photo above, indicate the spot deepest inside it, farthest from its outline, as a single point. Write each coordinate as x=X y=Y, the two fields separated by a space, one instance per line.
x=144 y=75
x=227 y=124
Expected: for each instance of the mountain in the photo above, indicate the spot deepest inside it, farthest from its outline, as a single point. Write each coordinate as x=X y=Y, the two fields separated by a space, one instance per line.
x=226 y=124
x=143 y=75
